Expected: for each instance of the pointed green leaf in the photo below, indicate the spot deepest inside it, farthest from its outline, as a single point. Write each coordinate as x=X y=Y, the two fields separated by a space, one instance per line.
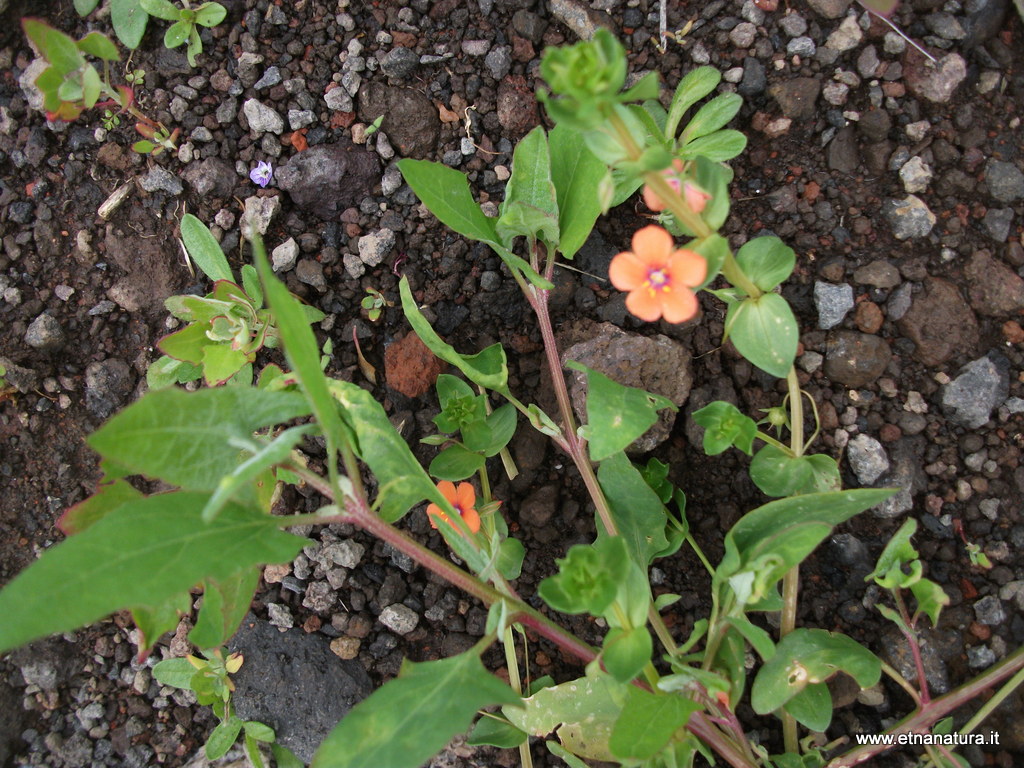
x=576 y=174
x=177 y=34
x=225 y=603
x=162 y=9
x=204 y=249
x=812 y=707
x=185 y=437
x=177 y=673
x=153 y=622
x=284 y=757
x=712 y=116
x=724 y=426
x=446 y=194
x=695 y=86
x=530 y=189
x=638 y=512
x=648 y=722
x=141 y=554
x=898 y=552
x=718 y=147
x=456 y=463
x=407 y=720
x=759 y=639
x=223 y=738
x=85 y=7
x=931 y=599
x=765 y=332
x=129 y=20
x=616 y=414
x=107 y=498
x=57 y=48
x=100 y=46
x=496 y=733
x=767 y=261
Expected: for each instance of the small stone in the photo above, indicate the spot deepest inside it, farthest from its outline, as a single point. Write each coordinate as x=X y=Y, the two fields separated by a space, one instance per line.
x=869 y=317
x=108 y=385
x=161 y=180
x=284 y=256
x=270 y=78
x=939 y=322
x=410 y=368
x=537 y=509
x=998 y=222
x=916 y=175
x=1005 y=181
x=399 y=618
x=793 y=24
x=346 y=553
x=981 y=386
x=909 y=217
x=833 y=303
x=373 y=248
x=868 y=459
x=743 y=34
x=993 y=288
x=399 y=63
x=830 y=9
x=45 y=334
x=311 y=272
x=346 y=647
x=499 y=62
x=855 y=359
x=300 y=118
x=338 y=100
x=262 y=119
x=797 y=97
x=280 y=616
x=258 y=213
x=847 y=36
x=936 y=83
x=476 y=47
x=980 y=657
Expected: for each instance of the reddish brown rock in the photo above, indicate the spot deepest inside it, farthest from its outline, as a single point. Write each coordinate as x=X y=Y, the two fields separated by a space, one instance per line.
x=868 y=317
x=411 y=368
x=940 y=323
x=994 y=289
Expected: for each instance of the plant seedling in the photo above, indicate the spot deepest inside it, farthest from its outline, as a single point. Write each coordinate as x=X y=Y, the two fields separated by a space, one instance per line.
x=374 y=303
x=186 y=24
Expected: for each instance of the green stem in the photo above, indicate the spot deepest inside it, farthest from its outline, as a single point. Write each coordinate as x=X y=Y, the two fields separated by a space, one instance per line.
x=993 y=702
x=766 y=438
x=525 y=758
x=901 y=681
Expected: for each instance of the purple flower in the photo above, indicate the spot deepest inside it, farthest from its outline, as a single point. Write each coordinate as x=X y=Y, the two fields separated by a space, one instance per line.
x=262 y=174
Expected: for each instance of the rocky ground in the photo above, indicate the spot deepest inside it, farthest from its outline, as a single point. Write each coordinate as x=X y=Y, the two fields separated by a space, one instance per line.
x=899 y=185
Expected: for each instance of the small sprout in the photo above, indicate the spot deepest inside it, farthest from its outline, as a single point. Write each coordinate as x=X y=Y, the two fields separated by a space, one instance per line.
x=374 y=127
x=136 y=77
x=262 y=173
x=374 y=303
x=978 y=558
x=110 y=120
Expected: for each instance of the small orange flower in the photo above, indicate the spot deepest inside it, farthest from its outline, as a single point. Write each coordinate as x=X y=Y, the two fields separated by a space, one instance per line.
x=659 y=278
x=462 y=498
x=695 y=197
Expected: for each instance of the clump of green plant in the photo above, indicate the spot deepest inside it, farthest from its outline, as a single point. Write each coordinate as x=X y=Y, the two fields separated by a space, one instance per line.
x=72 y=84
x=225 y=329
x=209 y=677
x=130 y=18
x=647 y=695
x=374 y=302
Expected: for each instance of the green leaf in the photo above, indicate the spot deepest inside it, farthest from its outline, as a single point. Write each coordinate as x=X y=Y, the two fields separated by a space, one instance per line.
x=225 y=603
x=107 y=498
x=760 y=640
x=446 y=194
x=576 y=174
x=301 y=351
x=195 y=45
x=648 y=722
x=724 y=426
x=210 y=14
x=530 y=189
x=284 y=757
x=712 y=116
x=496 y=733
x=639 y=514
x=141 y=554
x=898 y=552
x=931 y=599
x=252 y=751
x=456 y=463
x=807 y=656
x=765 y=332
x=488 y=369
x=588 y=577
x=204 y=249
x=223 y=738
x=812 y=707
x=778 y=473
x=251 y=285
x=767 y=261
x=697 y=84
x=85 y=7
x=143 y=147
x=167 y=371
x=221 y=362
x=616 y=414
x=259 y=731
x=502 y=424
x=154 y=621
x=626 y=652
x=162 y=9
x=177 y=34
x=511 y=554
x=98 y=45
x=129 y=20
x=177 y=673
x=566 y=756
x=407 y=720
x=185 y=437
x=714 y=249
x=719 y=146
x=57 y=48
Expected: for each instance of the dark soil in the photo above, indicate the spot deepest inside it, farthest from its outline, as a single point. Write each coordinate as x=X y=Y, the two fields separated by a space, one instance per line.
x=823 y=183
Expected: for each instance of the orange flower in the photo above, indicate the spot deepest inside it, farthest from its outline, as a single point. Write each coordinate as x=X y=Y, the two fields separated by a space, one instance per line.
x=695 y=197
x=659 y=278
x=462 y=498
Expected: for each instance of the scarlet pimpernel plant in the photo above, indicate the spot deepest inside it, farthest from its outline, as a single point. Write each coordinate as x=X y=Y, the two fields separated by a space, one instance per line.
x=645 y=696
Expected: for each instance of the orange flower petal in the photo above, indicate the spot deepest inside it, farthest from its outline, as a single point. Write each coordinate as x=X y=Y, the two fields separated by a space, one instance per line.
x=645 y=304
x=652 y=245
x=447 y=489
x=679 y=305
x=471 y=518
x=465 y=498
x=687 y=268
x=627 y=271
x=433 y=513
x=652 y=201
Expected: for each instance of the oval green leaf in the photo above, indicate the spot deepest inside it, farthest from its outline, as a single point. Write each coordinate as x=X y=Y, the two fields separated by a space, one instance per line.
x=765 y=332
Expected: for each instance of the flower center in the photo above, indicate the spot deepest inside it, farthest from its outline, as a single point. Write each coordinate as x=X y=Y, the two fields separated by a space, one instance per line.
x=658 y=280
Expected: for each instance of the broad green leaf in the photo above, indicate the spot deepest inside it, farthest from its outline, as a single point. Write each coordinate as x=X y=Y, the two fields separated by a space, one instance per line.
x=616 y=414
x=639 y=514
x=724 y=426
x=99 y=45
x=185 y=437
x=511 y=554
x=502 y=423
x=530 y=189
x=779 y=473
x=204 y=249
x=626 y=652
x=177 y=673
x=162 y=9
x=57 y=48
x=576 y=174
x=223 y=738
x=765 y=332
x=129 y=20
x=456 y=463
x=712 y=116
x=565 y=755
x=931 y=599
x=496 y=733
x=407 y=720
x=167 y=371
x=221 y=362
x=488 y=369
x=91 y=86
x=107 y=498
x=588 y=577
x=695 y=86
x=85 y=7
x=594 y=700
x=251 y=285
x=141 y=554
x=177 y=34
x=143 y=147
x=648 y=722
x=259 y=731
x=767 y=261
x=225 y=603
x=252 y=751
x=71 y=90
x=210 y=14
x=719 y=146
x=154 y=621
x=806 y=656
x=301 y=351
x=446 y=194
x=760 y=640
x=898 y=552
x=812 y=707
x=284 y=757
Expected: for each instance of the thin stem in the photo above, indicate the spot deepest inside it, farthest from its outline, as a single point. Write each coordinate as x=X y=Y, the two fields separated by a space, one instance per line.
x=915 y=647
x=993 y=702
x=700 y=554
x=796 y=413
x=766 y=438
x=902 y=682
x=525 y=758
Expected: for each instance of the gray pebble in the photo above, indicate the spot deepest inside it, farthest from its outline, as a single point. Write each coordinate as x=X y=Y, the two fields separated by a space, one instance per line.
x=979 y=389
x=284 y=256
x=262 y=119
x=1005 y=181
x=867 y=458
x=45 y=334
x=833 y=302
x=161 y=180
x=270 y=78
x=399 y=618
x=909 y=218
